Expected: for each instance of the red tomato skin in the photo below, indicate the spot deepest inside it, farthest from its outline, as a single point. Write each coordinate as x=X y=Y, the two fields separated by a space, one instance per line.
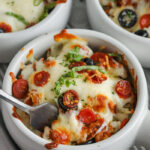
x=86 y=116
x=71 y=103
x=6 y=27
x=20 y=88
x=99 y=57
x=41 y=78
x=123 y=89
x=145 y=21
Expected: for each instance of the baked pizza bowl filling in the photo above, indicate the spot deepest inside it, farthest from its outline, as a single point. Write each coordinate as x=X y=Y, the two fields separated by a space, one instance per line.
x=95 y=91
x=131 y=15
x=16 y=15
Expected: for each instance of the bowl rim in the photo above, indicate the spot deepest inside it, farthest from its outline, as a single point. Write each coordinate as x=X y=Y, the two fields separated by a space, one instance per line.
x=115 y=26
x=142 y=94
x=34 y=28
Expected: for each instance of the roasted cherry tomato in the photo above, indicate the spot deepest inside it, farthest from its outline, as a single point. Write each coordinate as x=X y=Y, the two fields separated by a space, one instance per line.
x=77 y=64
x=69 y=100
x=4 y=28
x=142 y=33
x=145 y=21
x=88 y=61
x=123 y=89
x=20 y=88
x=127 y=18
x=41 y=78
x=99 y=57
x=86 y=116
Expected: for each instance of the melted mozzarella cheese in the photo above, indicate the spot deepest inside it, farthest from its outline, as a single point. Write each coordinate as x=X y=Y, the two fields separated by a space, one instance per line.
x=25 y=8
x=68 y=122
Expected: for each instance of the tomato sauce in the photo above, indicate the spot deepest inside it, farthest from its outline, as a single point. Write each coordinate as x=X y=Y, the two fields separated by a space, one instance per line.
x=15 y=114
x=13 y=78
x=30 y=53
x=50 y=63
x=61 y=1
x=64 y=35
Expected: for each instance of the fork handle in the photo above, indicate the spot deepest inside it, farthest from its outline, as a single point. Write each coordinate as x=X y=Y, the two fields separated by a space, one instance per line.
x=17 y=103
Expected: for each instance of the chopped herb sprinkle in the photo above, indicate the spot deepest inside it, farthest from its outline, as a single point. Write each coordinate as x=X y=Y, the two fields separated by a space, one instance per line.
x=47 y=10
x=119 y=56
x=66 y=79
x=37 y=2
x=73 y=55
x=18 y=17
x=89 y=68
x=113 y=92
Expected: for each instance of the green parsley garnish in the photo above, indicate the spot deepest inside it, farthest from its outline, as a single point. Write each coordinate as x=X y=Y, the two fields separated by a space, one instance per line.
x=37 y=2
x=85 y=79
x=89 y=68
x=65 y=64
x=113 y=92
x=65 y=79
x=47 y=9
x=73 y=55
x=18 y=17
x=129 y=14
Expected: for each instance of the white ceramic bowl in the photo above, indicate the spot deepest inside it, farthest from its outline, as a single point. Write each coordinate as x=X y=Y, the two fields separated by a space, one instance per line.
x=122 y=140
x=101 y=22
x=10 y=43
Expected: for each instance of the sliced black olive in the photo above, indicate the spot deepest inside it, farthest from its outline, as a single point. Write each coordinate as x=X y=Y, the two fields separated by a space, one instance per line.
x=2 y=30
x=127 y=18
x=142 y=33
x=61 y=105
x=88 y=61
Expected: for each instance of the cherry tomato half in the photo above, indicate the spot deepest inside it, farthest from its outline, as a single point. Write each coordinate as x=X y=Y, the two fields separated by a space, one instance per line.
x=70 y=99
x=99 y=57
x=123 y=89
x=20 y=88
x=145 y=21
x=41 y=78
x=5 y=27
x=86 y=116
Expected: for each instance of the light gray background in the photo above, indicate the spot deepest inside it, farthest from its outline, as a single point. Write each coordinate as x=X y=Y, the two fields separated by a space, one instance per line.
x=78 y=19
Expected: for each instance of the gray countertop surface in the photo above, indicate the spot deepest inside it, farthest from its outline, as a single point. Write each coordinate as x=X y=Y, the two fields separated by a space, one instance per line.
x=78 y=19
